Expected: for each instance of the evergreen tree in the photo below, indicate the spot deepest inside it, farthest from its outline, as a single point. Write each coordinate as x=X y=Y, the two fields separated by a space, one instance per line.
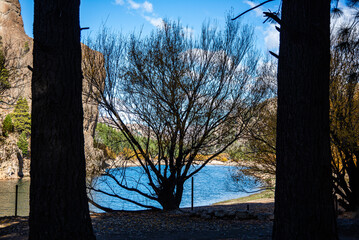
x=4 y=73
x=7 y=125
x=21 y=115
x=23 y=144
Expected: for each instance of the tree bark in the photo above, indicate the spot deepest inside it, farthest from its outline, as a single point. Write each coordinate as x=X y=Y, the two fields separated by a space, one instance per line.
x=304 y=207
x=170 y=195
x=58 y=200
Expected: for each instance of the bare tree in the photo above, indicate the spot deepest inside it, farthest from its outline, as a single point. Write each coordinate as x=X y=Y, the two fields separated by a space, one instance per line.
x=12 y=73
x=256 y=153
x=175 y=99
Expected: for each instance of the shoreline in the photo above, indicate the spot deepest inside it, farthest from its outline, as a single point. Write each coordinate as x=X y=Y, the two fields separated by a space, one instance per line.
x=122 y=163
x=265 y=196
x=134 y=163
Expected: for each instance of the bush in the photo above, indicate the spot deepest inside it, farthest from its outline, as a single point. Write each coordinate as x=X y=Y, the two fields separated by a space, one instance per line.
x=21 y=116
x=4 y=73
x=7 y=125
x=108 y=136
x=26 y=47
x=23 y=144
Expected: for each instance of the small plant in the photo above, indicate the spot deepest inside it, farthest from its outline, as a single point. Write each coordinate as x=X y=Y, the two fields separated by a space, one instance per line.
x=26 y=47
x=23 y=144
x=7 y=125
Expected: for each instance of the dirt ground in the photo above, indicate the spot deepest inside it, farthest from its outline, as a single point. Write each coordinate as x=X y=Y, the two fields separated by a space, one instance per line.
x=176 y=225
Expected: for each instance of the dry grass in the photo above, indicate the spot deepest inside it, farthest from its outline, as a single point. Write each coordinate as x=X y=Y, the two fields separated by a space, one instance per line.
x=264 y=196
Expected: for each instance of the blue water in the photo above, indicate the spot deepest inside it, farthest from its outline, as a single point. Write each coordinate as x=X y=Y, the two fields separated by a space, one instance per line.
x=212 y=184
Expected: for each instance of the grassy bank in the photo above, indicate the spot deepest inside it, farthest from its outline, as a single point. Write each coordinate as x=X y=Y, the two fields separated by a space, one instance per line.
x=266 y=195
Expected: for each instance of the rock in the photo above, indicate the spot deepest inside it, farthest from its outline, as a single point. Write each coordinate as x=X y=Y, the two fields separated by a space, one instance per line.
x=178 y=212
x=230 y=214
x=219 y=213
x=19 y=47
x=9 y=162
x=211 y=211
x=265 y=216
x=243 y=215
x=205 y=215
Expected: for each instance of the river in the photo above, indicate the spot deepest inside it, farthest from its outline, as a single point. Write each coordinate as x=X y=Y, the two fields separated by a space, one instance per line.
x=212 y=184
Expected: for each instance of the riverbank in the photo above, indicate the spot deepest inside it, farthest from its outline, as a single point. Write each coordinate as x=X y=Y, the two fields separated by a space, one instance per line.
x=184 y=224
x=265 y=196
x=135 y=163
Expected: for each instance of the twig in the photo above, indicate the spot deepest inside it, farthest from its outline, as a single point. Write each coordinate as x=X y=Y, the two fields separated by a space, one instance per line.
x=273 y=16
x=273 y=54
x=252 y=9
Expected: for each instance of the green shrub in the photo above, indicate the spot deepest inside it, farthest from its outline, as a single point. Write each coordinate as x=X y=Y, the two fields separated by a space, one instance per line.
x=21 y=116
x=7 y=125
x=23 y=144
x=26 y=47
x=4 y=73
x=110 y=137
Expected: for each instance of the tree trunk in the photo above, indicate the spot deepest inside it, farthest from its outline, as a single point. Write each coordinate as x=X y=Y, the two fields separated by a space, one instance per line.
x=58 y=201
x=304 y=206
x=169 y=198
x=353 y=173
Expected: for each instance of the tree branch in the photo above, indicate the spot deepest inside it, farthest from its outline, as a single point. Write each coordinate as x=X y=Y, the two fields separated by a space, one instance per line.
x=252 y=9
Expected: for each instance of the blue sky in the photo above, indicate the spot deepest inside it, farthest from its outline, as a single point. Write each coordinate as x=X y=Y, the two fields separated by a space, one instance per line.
x=129 y=15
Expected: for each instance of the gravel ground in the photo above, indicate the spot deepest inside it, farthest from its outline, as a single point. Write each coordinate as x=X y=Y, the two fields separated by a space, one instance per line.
x=175 y=225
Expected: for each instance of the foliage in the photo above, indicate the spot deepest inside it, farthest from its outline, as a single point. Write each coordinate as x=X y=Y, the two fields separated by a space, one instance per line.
x=175 y=98
x=344 y=117
x=4 y=73
x=108 y=153
x=256 y=155
x=23 y=144
x=7 y=125
x=110 y=137
x=21 y=116
x=114 y=142
x=257 y=158
x=26 y=47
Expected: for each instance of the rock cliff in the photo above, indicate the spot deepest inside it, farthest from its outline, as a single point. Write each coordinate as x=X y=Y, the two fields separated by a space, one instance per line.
x=17 y=48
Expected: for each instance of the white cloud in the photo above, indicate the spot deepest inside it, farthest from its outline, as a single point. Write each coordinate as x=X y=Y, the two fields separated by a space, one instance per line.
x=146 y=6
x=157 y=22
x=133 y=4
x=119 y=2
x=271 y=37
x=142 y=9
x=258 y=11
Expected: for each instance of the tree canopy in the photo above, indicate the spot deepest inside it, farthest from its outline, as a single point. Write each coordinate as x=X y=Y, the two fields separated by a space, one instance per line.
x=184 y=97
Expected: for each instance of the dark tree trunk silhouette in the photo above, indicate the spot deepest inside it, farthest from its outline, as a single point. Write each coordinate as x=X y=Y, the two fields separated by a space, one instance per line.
x=304 y=207
x=58 y=201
